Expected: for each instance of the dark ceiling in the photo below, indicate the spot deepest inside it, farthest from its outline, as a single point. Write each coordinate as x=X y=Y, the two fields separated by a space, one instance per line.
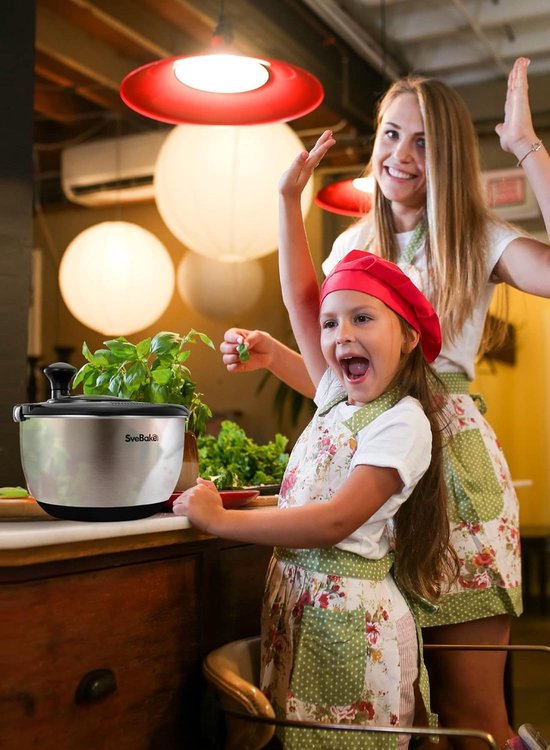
x=84 y=48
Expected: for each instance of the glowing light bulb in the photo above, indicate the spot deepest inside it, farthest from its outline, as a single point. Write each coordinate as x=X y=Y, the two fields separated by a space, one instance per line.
x=222 y=74
x=364 y=184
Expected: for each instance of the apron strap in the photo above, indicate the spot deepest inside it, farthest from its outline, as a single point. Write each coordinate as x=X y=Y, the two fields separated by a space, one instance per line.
x=365 y=414
x=336 y=561
x=458 y=382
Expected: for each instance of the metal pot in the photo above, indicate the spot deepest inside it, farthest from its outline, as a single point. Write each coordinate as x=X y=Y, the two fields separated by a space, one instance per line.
x=99 y=458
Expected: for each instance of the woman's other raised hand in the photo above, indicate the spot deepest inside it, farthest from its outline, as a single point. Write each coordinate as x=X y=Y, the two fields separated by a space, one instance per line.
x=516 y=133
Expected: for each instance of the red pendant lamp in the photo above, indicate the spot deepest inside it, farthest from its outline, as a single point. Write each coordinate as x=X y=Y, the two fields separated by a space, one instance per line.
x=207 y=89
x=351 y=197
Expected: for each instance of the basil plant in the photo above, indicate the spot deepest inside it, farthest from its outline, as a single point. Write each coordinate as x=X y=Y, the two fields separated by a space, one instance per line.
x=152 y=370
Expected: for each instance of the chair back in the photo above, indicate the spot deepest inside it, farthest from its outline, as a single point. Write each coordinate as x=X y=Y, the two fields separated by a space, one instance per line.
x=233 y=670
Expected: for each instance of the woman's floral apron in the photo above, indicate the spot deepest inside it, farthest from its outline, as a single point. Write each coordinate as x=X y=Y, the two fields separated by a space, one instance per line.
x=329 y=643
x=484 y=515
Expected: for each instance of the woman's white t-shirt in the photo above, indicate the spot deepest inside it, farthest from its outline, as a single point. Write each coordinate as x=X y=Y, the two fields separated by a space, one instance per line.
x=457 y=355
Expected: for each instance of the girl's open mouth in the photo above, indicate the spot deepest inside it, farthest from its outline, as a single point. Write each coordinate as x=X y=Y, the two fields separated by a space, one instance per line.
x=355 y=367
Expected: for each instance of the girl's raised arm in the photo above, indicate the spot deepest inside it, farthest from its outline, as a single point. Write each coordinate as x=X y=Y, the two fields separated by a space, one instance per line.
x=299 y=283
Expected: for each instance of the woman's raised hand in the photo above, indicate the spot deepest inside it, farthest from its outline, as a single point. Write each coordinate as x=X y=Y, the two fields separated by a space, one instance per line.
x=297 y=175
x=516 y=133
x=259 y=346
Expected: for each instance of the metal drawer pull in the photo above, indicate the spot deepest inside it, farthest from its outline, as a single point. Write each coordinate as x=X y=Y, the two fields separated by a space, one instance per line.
x=95 y=685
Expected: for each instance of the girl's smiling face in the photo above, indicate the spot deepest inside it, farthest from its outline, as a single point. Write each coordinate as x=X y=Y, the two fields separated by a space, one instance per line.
x=398 y=156
x=362 y=341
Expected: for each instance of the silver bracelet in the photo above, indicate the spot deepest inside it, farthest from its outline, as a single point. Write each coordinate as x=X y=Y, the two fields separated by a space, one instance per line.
x=534 y=147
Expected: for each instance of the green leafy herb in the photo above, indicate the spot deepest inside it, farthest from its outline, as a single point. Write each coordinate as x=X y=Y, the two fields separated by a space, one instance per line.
x=152 y=370
x=242 y=351
x=232 y=459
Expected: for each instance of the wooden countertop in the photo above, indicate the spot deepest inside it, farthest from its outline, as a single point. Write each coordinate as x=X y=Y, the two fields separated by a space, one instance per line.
x=28 y=535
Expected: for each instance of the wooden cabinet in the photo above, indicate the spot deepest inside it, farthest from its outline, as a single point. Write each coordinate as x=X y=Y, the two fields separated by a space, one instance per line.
x=104 y=652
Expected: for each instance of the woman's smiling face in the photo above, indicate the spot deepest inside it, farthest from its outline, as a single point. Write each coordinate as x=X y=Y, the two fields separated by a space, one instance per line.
x=398 y=156
x=362 y=341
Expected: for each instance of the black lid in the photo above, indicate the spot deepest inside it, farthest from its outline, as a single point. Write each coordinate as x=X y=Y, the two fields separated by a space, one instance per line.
x=62 y=403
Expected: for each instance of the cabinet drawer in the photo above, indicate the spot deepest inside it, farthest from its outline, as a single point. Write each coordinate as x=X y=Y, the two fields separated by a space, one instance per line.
x=139 y=623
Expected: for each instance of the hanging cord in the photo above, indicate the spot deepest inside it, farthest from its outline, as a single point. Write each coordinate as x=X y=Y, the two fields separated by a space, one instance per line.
x=223 y=27
x=383 y=38
x=118 y=168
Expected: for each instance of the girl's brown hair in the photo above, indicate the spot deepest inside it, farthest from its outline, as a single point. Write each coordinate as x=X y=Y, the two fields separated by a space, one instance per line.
x=456 y=211
x=425 y=561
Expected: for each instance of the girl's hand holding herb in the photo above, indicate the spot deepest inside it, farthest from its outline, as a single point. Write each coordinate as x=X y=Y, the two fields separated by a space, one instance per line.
x=245 y=351
x=201 y=504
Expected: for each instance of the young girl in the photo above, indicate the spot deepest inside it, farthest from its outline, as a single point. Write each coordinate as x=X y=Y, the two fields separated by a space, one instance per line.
x=429 y=215
x=338 y=637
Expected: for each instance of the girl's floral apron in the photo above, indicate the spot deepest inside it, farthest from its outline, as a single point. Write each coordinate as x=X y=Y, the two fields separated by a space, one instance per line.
x=329 y=643
x=483 y=511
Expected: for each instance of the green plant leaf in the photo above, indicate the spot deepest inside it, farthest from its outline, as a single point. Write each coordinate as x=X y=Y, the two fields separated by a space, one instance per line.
x=160 y=394
x=116 y=385
x=102 y=358
x=122 y=348
x=86 y=352
x=135 y=376
x=190 y=338
x=162 y=375
x=144 y=348
x=164 y=343
x=103 y=381
x=81 y=374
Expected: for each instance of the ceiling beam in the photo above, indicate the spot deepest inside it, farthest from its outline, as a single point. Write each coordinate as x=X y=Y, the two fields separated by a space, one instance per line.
x=93 y=58
x=357 y=38
x=410 y=23
x=143 y=27
x=60 y=105
x=55 y=72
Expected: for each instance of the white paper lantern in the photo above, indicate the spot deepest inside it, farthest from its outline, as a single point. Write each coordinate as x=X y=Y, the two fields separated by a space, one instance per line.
x=116 y=278
x=216 y=289
x=216 y=187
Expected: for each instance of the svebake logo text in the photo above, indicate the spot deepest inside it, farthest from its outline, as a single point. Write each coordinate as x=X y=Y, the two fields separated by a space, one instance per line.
x=141 y=438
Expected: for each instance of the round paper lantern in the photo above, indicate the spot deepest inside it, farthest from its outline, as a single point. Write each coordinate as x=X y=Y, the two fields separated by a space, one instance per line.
x=216 y=187
x=216 y=289
x=116 y=278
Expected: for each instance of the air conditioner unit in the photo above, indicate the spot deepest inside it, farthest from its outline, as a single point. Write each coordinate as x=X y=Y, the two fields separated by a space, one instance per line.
x=509 y=194
x=112 y=170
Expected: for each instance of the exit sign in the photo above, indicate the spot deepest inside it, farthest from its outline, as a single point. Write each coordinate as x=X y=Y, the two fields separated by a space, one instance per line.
x=509 y=194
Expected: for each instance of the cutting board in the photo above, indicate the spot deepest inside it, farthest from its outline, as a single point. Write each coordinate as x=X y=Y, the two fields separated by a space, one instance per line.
x=262 y=501
x=22 y=508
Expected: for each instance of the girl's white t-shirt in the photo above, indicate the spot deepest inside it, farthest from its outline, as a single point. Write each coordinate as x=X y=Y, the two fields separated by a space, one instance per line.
x=459 y=354
x=400 y=438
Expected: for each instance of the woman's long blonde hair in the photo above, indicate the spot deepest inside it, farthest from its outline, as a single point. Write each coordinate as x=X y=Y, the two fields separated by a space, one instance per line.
x=456 y=212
